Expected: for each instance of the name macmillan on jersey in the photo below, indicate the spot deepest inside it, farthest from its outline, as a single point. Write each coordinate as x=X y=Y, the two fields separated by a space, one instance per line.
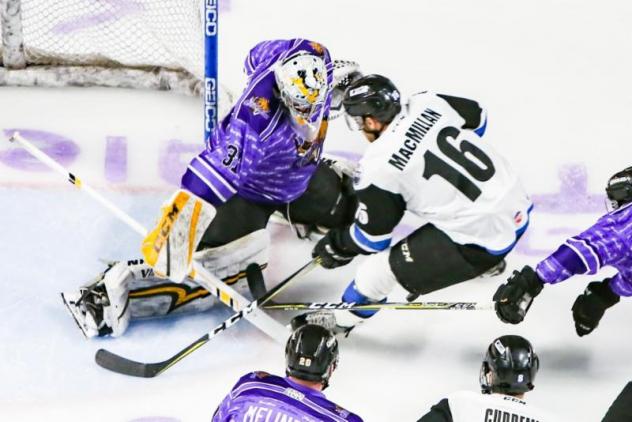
x=414 y=135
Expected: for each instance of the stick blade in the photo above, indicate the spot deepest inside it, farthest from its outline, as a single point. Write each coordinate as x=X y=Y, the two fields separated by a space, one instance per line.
x=256 y=283
x=121 y=365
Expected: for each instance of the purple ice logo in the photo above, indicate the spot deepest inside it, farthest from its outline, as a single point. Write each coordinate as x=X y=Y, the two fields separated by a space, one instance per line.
x=58 y=147
x=114 y=10
x=109 y=11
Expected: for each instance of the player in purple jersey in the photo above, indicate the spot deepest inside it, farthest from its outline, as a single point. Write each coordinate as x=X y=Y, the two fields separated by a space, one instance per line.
x=263 y=157
x=311 y=356
x=268 y=146
x=607 y=243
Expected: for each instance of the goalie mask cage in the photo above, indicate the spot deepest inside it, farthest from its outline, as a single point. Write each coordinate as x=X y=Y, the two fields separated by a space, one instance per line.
x=150 y=44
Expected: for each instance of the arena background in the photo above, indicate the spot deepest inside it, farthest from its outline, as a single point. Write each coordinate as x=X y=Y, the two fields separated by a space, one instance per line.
x=555 y=78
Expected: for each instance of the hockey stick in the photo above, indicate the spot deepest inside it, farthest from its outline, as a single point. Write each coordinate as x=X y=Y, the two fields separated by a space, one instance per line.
x=400 y=306
x=256 y=284
x=257 y=287
x=223 y=292
x=121 y=365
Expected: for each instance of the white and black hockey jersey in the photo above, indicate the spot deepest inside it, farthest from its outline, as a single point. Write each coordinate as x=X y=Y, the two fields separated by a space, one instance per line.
x=433 y=162
x=466 y=406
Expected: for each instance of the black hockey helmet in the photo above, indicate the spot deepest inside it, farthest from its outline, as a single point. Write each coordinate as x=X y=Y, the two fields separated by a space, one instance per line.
x=512 y=364
x=372 y=95
x=619 y=188
x=311 y=353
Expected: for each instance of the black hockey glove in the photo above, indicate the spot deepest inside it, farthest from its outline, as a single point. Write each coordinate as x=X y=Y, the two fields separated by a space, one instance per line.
x=331 y=254
x=514 y=298
x=590 y=306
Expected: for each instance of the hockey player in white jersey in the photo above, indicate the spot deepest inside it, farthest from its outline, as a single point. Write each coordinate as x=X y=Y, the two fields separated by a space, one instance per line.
x=508 y=372
x=427 y=157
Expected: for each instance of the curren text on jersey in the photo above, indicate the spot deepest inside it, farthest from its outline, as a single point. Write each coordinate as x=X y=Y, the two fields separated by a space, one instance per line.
x=496 y=415
x=414 y=135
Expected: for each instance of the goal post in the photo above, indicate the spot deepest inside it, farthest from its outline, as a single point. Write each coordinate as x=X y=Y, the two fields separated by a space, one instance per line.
x=146 y=44
x=211 y=32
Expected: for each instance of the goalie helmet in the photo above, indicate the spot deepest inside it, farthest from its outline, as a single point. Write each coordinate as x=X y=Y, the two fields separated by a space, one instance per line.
x=302 y=83
x=619 y=188
x=373 y=95
x=311 y=354
x=509 y=367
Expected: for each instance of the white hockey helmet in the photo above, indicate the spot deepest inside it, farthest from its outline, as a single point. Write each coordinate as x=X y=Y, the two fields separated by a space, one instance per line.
x=302 y=83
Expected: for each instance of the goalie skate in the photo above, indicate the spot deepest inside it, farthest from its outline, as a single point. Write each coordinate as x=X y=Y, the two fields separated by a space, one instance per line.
x=85 y=308
x=101 y=308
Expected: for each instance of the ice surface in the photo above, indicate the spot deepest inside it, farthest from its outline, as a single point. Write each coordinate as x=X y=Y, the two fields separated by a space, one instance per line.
x=555 y=78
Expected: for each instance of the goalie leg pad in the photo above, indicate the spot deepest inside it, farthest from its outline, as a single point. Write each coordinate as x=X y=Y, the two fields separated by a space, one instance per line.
x=169 y=247
x=154 y=296
x=151 y=295
x=228 y=262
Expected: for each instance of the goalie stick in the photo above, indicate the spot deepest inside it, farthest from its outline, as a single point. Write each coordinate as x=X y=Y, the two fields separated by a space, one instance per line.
x=121 y=365
x=400 y=306
x=223 y=292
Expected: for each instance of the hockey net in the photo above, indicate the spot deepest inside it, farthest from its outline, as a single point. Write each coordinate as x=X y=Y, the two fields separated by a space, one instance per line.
x=152 y=44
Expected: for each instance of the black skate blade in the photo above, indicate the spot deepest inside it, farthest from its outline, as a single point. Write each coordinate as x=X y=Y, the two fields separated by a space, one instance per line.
x=73 y=316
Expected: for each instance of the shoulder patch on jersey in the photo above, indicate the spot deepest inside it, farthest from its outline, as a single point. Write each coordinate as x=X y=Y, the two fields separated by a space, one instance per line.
x=318 y=48
x=259 y=106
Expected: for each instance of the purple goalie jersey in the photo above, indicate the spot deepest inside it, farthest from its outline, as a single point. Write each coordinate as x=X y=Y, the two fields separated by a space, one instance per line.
x=259 y=396
x=608 y=242
x=257 y=151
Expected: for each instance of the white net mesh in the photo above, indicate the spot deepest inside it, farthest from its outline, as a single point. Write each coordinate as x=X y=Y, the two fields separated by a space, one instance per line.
x=131 y=33
x=148 y=44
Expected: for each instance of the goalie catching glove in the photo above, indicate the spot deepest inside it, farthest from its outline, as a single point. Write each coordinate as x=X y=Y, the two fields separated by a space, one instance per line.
x=169 y=247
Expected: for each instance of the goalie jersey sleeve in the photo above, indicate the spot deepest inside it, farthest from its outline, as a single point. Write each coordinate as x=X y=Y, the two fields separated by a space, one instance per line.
x=466 y=406
x=607 y=242
x=259 y=396
x=432 y=162
x=256 y=151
